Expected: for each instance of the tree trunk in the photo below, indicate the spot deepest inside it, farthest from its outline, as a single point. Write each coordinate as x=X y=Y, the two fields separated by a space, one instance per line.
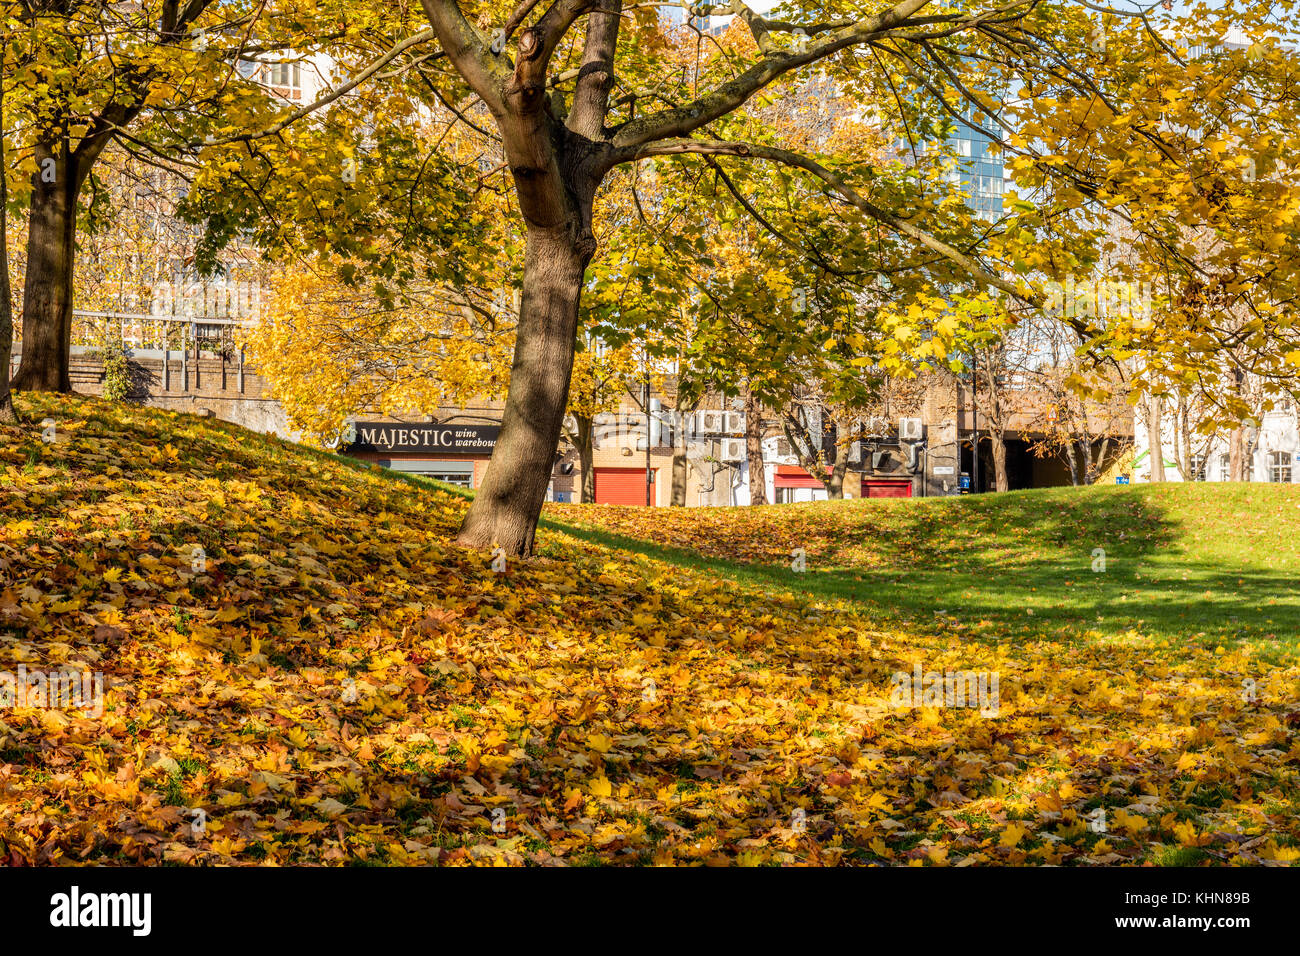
x=1182 y=442
x=504 y=512
x=1072 y=461
x=1237 y=439
x=586 y=429
x=7 y=413
x=835 y=480
x=47 y=292
x=678 y=498
x=1000 y=480
x=1089 y=463
x=754 y=449
x=1102 y=452
x=1155 y=438
x=1236 y=456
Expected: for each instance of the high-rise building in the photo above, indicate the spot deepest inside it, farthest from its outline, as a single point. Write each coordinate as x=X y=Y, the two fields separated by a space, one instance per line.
x=979 y=168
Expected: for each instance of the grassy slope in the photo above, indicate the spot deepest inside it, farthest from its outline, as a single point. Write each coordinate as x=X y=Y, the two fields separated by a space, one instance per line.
x=342 y=684
x=1204 y=563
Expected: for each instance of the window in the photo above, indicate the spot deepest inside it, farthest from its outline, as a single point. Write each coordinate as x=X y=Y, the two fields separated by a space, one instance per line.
x=450 y=477
x=1279 y=467
x=285 y=78
x=453 y=472
x=1198 y=467
x=1247 y=463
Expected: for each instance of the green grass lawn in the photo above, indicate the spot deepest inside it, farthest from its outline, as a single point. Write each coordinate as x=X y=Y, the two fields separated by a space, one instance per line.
x=1212 y=563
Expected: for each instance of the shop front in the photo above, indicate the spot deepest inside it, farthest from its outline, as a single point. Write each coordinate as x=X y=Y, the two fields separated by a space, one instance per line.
x=446 y=451
x=792 y=483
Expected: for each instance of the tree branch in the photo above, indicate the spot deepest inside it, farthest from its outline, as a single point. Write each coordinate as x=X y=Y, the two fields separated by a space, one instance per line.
x=596 y=76
x=732 y=94
x=468 y=51
x=846 y=192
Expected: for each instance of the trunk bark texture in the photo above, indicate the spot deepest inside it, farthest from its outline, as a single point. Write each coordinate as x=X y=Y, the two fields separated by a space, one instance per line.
x=1072 y=461
x=586 y=460
x=505 y=510
x=1000 y=480
x=1155 y=438
x=835 y=480
x=47 y=291
x=678 y=496
x=1236 y=455
x=8 y=415
x=754 y=449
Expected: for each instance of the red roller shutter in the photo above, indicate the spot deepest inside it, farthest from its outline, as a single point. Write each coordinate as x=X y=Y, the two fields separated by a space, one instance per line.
x=886 y=488
x=792 y=476
x=622 y=486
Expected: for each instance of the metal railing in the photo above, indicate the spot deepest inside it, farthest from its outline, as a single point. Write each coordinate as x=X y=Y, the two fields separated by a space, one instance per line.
x=145 y=332
x=188 y=338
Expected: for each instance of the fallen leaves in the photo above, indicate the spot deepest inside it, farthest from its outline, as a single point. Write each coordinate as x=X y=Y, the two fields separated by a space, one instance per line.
x=343 y=684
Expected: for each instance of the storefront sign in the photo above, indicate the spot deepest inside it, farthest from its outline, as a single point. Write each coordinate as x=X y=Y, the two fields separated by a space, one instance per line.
x=421 y=437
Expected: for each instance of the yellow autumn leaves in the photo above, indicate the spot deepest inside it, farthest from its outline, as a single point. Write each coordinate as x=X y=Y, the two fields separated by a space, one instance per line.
x=343 y=684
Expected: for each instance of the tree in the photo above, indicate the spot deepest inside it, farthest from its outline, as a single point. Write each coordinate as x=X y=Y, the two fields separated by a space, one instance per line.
x=754 y=430
x=563 y=132
x=1214 y=233
x=1082 y=410
x=994 y=366
x=603 y=376
x=331 y=350
x=560 y=145
x=7 y=413
x=79 y=99
x=171 y=82
x=1194 y=430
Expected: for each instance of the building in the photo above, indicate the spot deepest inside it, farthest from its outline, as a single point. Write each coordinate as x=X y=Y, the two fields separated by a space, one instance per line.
x=979 y=171
x=1272 y=452
x=921 y=448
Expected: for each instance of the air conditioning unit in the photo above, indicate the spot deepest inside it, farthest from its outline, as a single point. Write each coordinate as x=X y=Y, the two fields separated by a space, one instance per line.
x=855 y=452
x=733 y=449
x=711 y=423
x=735 y=422
x=910 y=429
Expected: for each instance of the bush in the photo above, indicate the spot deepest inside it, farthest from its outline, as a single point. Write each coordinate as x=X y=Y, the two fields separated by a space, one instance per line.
x=117 y=372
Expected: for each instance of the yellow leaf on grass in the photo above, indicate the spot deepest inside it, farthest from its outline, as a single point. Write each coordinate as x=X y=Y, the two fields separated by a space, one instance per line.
x=1012 y=835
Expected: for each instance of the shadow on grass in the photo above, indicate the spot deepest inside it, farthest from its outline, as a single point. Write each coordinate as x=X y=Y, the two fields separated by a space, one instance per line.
x=1021 y=567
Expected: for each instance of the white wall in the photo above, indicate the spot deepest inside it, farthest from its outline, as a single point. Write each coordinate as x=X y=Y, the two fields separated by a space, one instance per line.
x=1279 y=432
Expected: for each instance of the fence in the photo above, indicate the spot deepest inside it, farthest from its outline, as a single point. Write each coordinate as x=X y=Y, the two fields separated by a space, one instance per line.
x=166 y=338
